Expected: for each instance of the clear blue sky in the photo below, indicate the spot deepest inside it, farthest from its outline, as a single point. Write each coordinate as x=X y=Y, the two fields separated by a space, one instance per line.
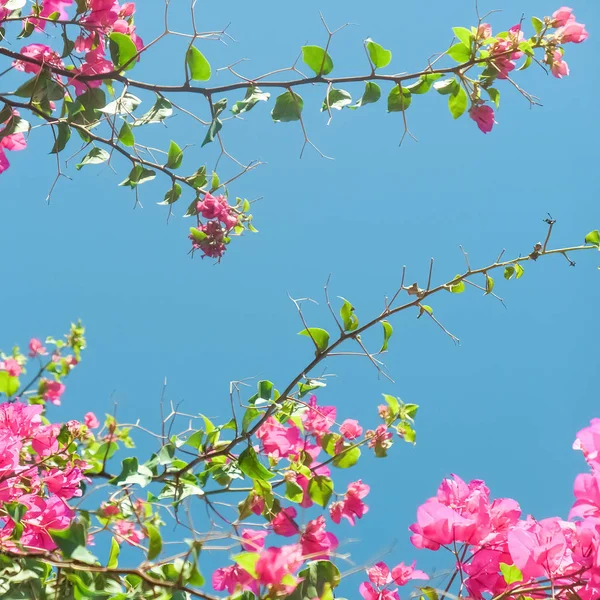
x=504 y=406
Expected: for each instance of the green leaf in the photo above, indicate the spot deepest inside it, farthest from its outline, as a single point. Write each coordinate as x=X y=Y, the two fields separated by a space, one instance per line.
x=371 y=94
x=512 y=270
x=198 y=65
x=538 y=24
x=15 y=125
x=288 y=107
x=172 y=195
x=399 y=99
x=336 y=99
x=320 y=337
x=593 y=238
x=423 y=308
x=247 y=560
x=320 y=490
x=124 y=105
x=249 y=416
x=71 y=542
x=347 y=459
x=195 y=440
x=126 y=136
x=460 y=52
x=15 y=510
x=348 y=316
x=174 y=157
x=458 y=101
x=95 y=156
x=137 y=176
x=424 y=83
x=458 y=287
x=494 y=95
x=132 y=473
x=519 y=270
x=251 y=466
x=122 y=51
x=511 y=573
x=317 y=580
x=489 y=284
x=380 y=57
x=113 y=557
x=265 y=389
x=463 y=34
x=216 y=125
x=446 y=86
x=309 y=386
x=387 y=334
x=161 y=110
x=154 y=541
x=253 y=96
x=429 y=593
x=198 y=235
x=62 y=137
x=393 y=403
x=293 y=492
x=317 y=59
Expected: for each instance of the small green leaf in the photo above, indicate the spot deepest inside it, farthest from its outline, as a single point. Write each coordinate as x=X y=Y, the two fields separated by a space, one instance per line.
x=393 y=403
x=137 y=176
x=172 y=195
x=458 y=101
x=320 y=490
x=317 y=59
x=387 y=334
x=247 y=560
x=113 y=557
x=458 y=287
x=71 y=542
x=460 y=52
x=288 y=107
x=132 y=473
x=62 y=137
x=198 y=65
x=251 y=466
x=371 y=94
x=399 y=99
x=538 y=24
x=122 y=51
x=511 y=573
x=95 y=156
x=174 y=157
x=429 y=593
x=489 y=284
x=154 y=541
x=161 y=110
x=494 y=95
x=380 y=57
x=423 y=308
x=126 y=136
x=336 y=99
x=15 y=510
x=253 y=96
x=519 y=270
x=509 y=272
x=347 y=459
x=320 y=337
x=124 y=105
x=446 y=86
x=424 y=83
x=593 y=238
x=463 y=34
x=293 y=492
x=348 y=316
x=198 y=235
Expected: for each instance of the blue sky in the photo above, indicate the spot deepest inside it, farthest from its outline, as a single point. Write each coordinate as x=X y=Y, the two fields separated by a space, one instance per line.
x=504 y=406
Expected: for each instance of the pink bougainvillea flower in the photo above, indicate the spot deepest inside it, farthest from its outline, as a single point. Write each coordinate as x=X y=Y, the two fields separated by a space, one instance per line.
x=587 y=493
x=284 y=524
x=316 y=542
x=379 y=574
x=352 y=507
x=126 y=530
x=233 y=578
x=484 y=31
x=52 y=390
x=483 y=115
x=402 y=574
x=351 y=429
x=368 y=592
x=588 y=441
x=253 y=539
x=36 y=348
x=278 y=440
x=559 y=67
x=42 y=54
x=11 y=366
x=562 y=16
x=276 y=567
x=318 y=420
x=572 y=32
x=91 y=421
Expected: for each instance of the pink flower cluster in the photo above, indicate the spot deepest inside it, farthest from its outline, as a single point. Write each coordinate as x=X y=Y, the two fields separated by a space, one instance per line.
x=381 y=578
x=222 y=219
x=491 y=534
x=13 y=142
x=37 y=471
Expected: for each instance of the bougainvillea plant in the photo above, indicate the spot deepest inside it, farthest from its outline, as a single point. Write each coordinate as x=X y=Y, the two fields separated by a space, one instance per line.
x=283 y=447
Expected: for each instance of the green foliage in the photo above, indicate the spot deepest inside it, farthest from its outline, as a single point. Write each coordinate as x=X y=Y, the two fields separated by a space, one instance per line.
x=122 y=51
x=132 y=473
x=336 y=99
x=9 y=384
x=593 y=238
x=458 y=287
x=320 y=489
x=288 y=107
x=197 y=64
x=253 y=96
x=72 y=542
x=446 y=86
x=458 y=102
x=317 y=59
x=461 y=53
x=349 y=318
x=137 y=176
x=387 y=334
x=380 y=57
x=399 y=99
x=154 y=541
x=511 y=573
x=161 y=110
x=251 y=466
x=320 y=337
x=515 y=270
x=95 y=156
x=318 y=578
x=175 y=156
x=348 y=458
x=371 y=94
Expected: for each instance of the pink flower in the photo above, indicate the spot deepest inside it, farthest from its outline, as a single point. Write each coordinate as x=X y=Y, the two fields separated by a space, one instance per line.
x=52 y=390
x=210 y=207
x=559 y=67
x=318 y=420
x=350 y=429
x=316 y=542
x=562 y=16
x=379 y=574
x=13 y=142
x=380 y=439
x=283 y=523
x=233 y=578
x=20 y=419
x=254 y=539
x=36 y=348
x=369 y=593
x=483 y=115
x=257 y=505
x=352 y=507
x=587 y=494
x=278 y=440
x=484 y=31
x=11 y=366
x=572 y=32
x=126 y=530
x=588 y=441
x=275 y=564
x=91 y=421
x=109 y=510
x=402 y=574
x=65 y=482
x=44 y=55
x=212 y=245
